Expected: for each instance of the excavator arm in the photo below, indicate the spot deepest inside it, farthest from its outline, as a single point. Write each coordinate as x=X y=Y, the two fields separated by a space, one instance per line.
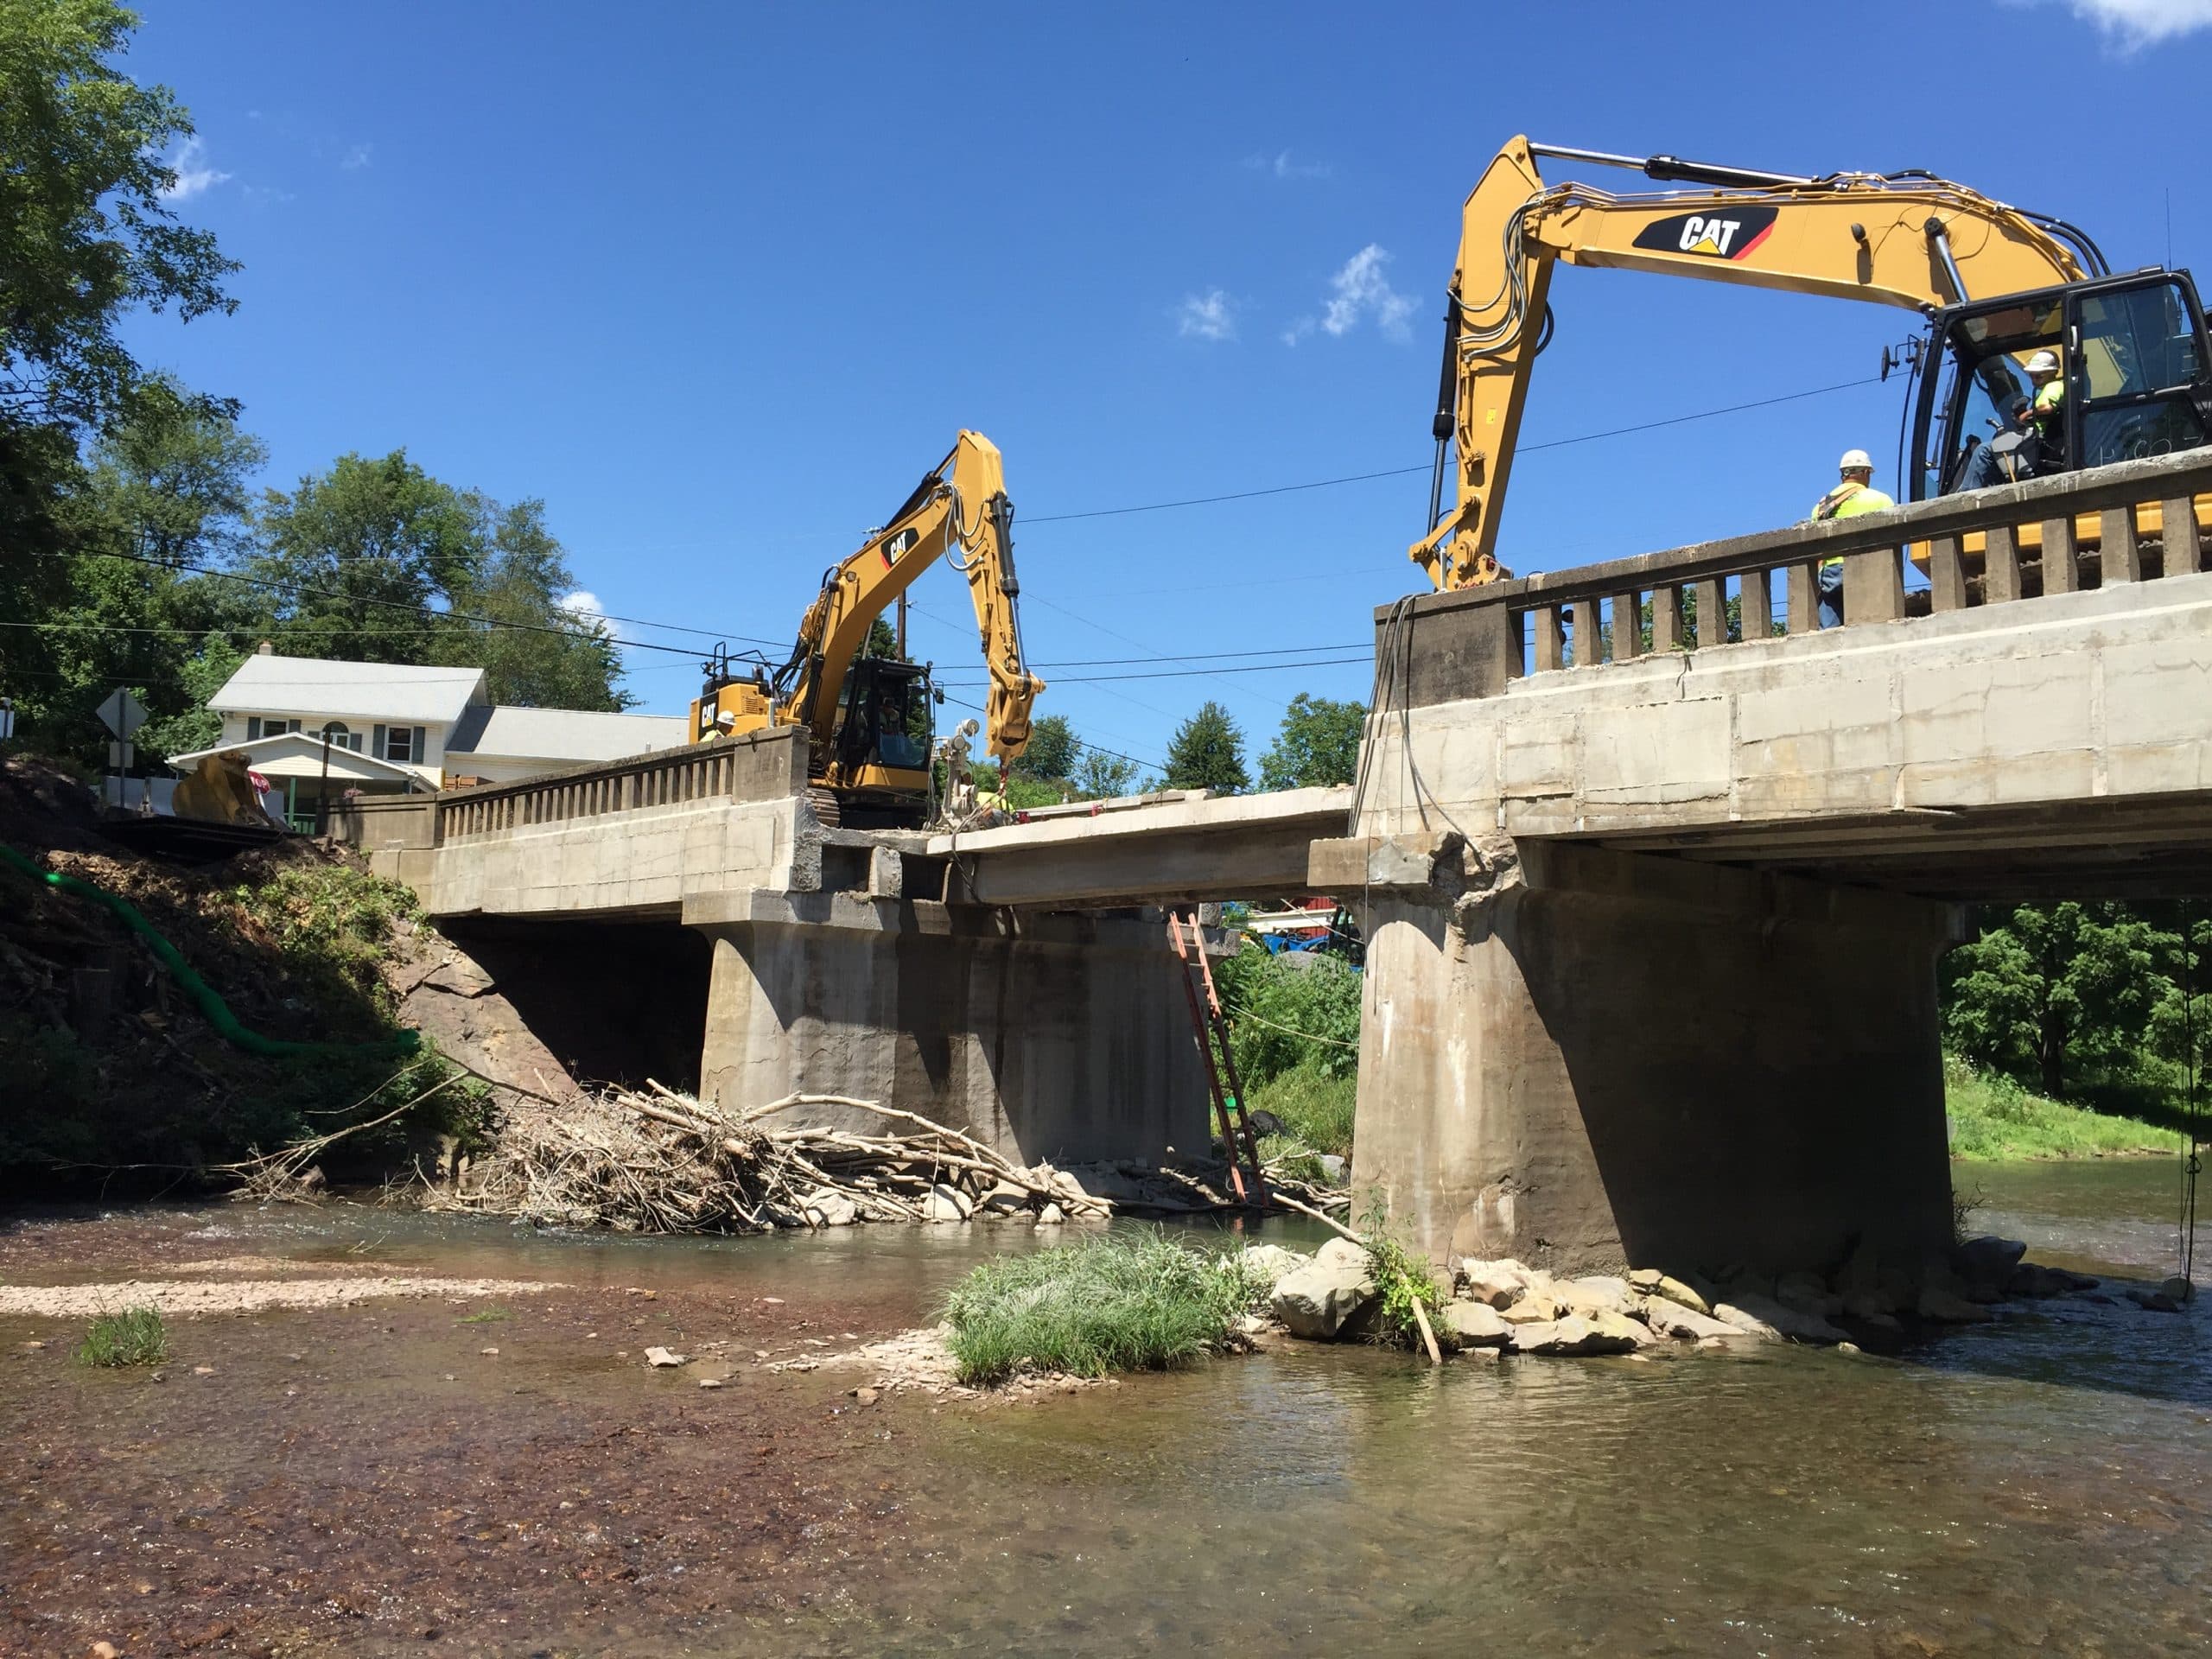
x=1907 y=240
x=960 y=509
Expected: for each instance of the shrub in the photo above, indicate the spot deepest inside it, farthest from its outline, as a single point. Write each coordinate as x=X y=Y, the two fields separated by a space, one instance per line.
x=134 y=1337
x=1119 y=1302
x=331 y=923
x=1287 y=1011
x=1402 y=1278
x=1316 y=1107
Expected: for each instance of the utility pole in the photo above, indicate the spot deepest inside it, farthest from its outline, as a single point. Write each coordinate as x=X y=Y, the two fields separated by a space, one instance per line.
x=322 y=794
x=902 y=627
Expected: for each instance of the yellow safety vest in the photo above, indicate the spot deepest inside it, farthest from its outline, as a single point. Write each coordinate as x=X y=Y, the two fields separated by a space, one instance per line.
x=2048 y=401
x=1849 y=500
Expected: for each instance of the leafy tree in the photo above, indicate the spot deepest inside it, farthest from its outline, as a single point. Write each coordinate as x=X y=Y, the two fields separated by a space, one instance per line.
x=540 y=655
x=1101 y=777
x=1319 y=744
x=86 y=231
x=355 y=557
x=2050 y=986
x=1053 y=745
x=1207 y=752
x=883 y=642
x=164 y=492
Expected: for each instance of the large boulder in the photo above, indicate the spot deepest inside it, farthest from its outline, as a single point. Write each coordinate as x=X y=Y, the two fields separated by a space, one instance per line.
x=1498 y=1283
x=1595 y=1294
x=1653 y=1282
x=1271 y=1261
x=1473 y=1325
x=1762 y=1316
x=946 y=1203
x=1571 y=1335
x=1534 y=1307
x=1670 y=1318
x=825 y=1208
x=1989 y=1260
x=1809 y=1294
x=1330 y=1293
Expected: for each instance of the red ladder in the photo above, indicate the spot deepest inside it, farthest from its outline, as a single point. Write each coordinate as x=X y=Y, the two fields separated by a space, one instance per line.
x=1222 y=1083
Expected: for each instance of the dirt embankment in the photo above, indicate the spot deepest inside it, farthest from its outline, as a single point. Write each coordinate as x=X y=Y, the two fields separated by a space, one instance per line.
x=126 y=1087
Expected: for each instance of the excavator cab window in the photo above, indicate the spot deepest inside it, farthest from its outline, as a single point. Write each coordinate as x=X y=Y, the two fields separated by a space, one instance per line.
x=887 y=715
x=1979 y=392
x=2139 y=371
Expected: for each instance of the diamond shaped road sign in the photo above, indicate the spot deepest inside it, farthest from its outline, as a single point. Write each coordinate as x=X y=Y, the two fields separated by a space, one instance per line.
x=122 y=712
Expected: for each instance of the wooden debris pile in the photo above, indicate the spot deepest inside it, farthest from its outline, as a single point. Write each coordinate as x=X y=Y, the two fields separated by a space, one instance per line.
x=660 y=1161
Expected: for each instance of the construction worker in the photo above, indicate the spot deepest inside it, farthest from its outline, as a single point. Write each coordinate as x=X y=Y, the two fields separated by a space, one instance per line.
x=2042 y=415
x=2047 y=408
x=1854 y=496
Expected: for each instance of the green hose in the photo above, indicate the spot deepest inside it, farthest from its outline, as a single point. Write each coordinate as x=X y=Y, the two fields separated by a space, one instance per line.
x=212 y=1006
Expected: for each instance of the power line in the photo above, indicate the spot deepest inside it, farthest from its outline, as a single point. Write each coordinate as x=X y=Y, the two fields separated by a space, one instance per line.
x=1185 y=673
x=1406 y=472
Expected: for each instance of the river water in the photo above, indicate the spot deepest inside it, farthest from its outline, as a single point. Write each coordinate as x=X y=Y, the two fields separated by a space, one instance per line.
x=2043 y=1484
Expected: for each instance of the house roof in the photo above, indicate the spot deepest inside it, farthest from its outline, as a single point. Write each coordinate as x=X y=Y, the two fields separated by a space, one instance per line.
x=398 y=693
x=300 y=754
x=560 y=734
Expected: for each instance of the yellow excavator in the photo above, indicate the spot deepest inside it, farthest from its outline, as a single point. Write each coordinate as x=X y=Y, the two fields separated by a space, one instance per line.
x=870 y=716
x=1996 y=284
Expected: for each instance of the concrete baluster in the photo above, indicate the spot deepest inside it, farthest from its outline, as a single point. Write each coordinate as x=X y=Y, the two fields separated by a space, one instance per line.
x=1551 y=650
x=1803 y=609
x=1667 y=617
x=2060 y=574
x=1627 y=626
x=1712 y=595
x=1755 y=595
x=2000 y=577
x=2120 y=554
x=2184 y=554
x=1589 y=649
x=1946 y=575
x=1873 y=585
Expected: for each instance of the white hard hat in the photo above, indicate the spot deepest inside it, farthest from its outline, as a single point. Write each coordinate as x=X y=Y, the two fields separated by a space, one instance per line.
x=1855 y=460
x=2043 y=363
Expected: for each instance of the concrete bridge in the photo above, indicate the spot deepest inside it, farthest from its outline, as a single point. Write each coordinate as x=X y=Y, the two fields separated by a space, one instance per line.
x=1653 y=903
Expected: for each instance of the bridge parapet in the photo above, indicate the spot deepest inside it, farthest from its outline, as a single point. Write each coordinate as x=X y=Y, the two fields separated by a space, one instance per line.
x=2131 y=522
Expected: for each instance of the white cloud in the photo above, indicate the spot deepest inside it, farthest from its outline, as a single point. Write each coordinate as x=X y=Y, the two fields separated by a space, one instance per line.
x=1361 y=290
x=2134 y=23
x=357 y=156
x=584 y=606
x=1283 y=167
x=193 y=175
x=1210 y=315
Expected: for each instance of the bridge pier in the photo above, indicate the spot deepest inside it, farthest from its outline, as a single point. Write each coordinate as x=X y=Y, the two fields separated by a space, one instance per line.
x=1059 y=1037
x=1589 y=1059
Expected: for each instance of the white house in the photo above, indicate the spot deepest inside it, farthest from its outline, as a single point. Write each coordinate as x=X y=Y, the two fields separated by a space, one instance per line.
x=394 y=727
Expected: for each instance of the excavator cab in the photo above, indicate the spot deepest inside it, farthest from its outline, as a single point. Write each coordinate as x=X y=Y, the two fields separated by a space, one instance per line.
x=879 y=767
x=2138 y=376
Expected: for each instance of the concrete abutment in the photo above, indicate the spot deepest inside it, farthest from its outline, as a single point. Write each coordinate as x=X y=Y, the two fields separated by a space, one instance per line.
x=1589 y=1059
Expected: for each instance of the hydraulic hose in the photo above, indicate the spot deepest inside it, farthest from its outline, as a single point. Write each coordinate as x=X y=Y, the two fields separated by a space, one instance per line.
x=210 y=1003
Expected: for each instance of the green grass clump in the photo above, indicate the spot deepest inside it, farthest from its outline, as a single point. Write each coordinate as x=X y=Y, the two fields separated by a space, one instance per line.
x=1121 y=1302
x=331 y=923
x=1992 y=1117
x=489 y=1316
x=134 y=1337
x=1315 y=1105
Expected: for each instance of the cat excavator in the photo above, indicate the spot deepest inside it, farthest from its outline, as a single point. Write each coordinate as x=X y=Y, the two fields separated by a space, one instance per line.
x=1996 y=284
x=869 y=716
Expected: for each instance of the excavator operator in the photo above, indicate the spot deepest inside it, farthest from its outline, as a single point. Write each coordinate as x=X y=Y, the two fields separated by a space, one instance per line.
x=1853 y=496
x=2039 y=430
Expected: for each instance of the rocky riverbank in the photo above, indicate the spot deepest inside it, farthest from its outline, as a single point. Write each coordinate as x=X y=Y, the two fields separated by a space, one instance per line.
x=1499 y=1307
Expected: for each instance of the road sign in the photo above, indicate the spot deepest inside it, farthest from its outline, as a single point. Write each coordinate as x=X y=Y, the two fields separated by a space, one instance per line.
x=122 y=712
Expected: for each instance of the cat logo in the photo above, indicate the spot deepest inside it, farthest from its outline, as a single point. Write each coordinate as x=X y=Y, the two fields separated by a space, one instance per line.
x=1731 y=235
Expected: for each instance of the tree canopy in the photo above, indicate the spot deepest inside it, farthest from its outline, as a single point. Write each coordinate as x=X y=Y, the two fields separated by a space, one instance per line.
x=1207 y=752
x=1052 y=749
x=86 y=231
x=1319 y=744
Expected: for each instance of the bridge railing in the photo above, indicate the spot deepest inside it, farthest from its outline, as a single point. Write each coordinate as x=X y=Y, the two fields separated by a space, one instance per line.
x=759 y=765
x=2126 y=522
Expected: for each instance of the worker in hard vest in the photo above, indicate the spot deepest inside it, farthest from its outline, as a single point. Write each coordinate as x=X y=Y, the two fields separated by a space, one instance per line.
x=1854 y=496
x=2042 y=413
x=2047 y=408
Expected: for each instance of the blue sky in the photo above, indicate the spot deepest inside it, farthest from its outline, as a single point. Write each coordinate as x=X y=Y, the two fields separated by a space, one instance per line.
x=718 y=282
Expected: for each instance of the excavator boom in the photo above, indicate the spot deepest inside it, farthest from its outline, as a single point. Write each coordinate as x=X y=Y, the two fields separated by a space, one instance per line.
x=1909 y=240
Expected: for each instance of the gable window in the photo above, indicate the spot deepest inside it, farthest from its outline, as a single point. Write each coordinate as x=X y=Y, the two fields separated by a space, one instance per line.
x=341 y=738
x=405 y=744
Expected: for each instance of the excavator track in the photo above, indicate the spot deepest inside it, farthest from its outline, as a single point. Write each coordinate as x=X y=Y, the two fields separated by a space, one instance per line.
x=829 y=811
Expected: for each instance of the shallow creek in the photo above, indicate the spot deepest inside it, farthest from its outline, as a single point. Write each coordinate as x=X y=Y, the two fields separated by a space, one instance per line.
x=2041 y=1484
